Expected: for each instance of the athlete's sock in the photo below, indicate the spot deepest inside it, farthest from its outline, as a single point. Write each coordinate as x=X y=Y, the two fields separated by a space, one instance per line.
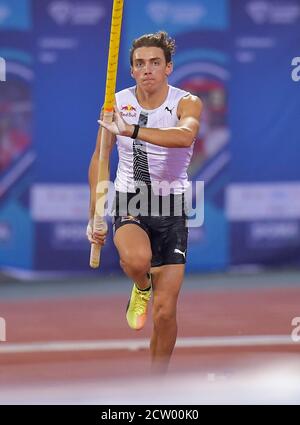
x=147 y=289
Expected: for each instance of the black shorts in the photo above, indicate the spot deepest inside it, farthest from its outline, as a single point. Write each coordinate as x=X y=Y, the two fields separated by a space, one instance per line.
x=168 y=235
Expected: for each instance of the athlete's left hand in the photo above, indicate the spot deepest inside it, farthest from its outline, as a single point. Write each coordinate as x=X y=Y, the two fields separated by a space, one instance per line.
x=118 y=126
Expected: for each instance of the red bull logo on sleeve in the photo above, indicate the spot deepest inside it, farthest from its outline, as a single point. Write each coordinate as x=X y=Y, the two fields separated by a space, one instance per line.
x=128 y=111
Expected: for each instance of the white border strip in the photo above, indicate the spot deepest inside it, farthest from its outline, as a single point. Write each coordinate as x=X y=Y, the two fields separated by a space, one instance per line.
x=138 y=344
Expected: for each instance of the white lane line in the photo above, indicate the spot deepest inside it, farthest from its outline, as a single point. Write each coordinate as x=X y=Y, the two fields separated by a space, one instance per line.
x=137 y=344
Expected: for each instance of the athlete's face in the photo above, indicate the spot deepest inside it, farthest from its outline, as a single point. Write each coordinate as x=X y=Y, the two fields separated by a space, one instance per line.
x=149 y=68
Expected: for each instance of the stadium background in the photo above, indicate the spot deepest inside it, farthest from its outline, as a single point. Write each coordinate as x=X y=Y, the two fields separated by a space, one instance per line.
x=67 y=340
x=236 y=55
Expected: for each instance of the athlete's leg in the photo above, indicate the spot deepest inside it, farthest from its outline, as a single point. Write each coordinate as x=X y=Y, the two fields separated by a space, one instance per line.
x=167 y=281
x=134 y=248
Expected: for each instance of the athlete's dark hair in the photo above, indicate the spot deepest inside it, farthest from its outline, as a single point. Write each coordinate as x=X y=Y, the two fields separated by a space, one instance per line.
x=159 y=39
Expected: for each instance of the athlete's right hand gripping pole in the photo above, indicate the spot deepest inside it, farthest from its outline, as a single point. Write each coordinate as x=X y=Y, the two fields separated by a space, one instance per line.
x=100 y=224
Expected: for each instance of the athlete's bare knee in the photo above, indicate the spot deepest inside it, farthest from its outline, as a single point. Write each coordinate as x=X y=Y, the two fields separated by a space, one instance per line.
x=135 y=263
x=163 y=316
